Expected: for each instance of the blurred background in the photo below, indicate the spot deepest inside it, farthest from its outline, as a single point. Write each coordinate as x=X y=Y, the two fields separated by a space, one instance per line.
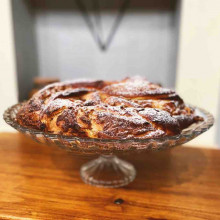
x=172 y=42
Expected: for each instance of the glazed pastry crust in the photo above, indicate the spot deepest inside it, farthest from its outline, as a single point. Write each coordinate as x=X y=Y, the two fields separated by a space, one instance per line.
x=129 y=109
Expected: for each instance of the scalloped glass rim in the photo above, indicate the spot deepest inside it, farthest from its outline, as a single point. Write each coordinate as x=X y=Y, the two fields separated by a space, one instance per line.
x=104 y=145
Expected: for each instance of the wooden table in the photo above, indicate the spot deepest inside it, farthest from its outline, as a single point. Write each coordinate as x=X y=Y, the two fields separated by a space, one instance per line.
x=42 y=182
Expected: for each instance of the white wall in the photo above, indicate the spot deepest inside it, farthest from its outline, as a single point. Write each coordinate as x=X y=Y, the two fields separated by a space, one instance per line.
x=8 y=88
x=198 y=74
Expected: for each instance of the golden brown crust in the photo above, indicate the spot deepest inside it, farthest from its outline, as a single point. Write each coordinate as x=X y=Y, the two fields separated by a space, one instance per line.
x=131 y=108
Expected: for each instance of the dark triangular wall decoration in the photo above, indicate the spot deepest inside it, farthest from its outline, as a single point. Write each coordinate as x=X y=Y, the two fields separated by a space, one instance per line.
x=95 y=26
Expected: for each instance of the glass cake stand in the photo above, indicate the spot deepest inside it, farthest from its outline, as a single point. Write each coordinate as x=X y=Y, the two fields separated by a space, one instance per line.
x=108 y=170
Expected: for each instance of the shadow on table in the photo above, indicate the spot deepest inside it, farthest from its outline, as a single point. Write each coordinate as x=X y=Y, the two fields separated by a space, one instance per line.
x=154 y=169
x=167 y=168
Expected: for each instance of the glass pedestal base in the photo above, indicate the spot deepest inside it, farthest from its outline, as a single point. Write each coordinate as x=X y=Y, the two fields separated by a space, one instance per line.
x=108 y=171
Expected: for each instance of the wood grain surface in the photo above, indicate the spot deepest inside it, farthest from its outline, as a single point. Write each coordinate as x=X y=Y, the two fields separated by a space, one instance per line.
x=42 y=182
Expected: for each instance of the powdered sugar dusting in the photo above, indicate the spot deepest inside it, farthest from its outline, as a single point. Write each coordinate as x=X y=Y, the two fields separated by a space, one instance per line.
x=131 y=108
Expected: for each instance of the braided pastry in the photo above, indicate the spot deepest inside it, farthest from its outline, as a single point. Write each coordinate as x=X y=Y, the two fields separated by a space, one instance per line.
x=131 y=108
